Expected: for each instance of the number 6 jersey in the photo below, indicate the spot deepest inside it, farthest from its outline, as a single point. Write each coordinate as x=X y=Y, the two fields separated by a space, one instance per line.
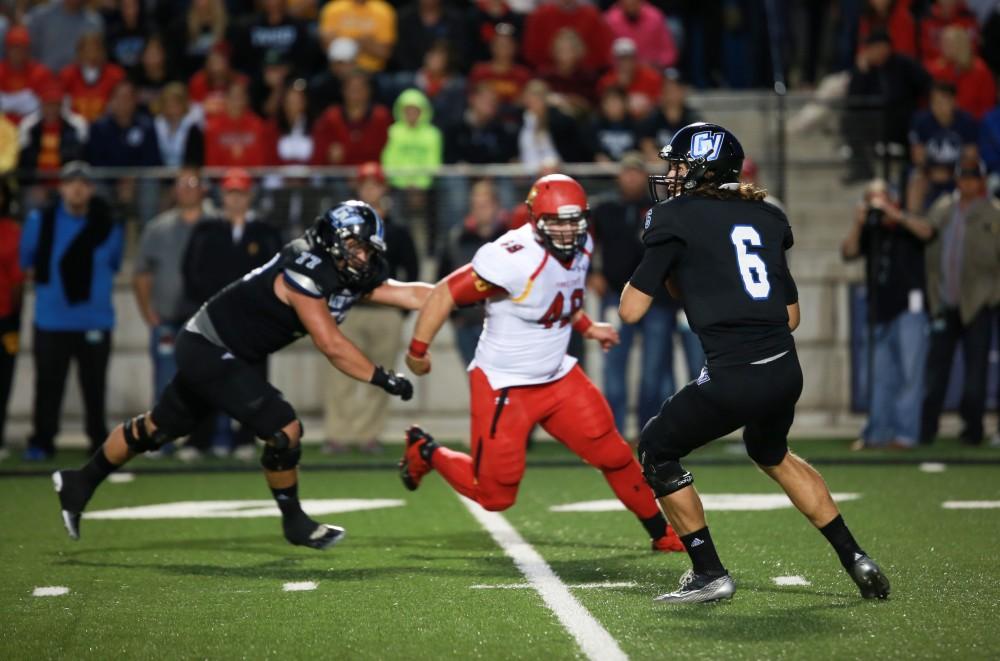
x=727 y=257
x=526 y=333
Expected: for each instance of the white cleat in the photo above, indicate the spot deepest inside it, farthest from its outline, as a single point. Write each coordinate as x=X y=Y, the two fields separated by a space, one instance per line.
x=699 y=588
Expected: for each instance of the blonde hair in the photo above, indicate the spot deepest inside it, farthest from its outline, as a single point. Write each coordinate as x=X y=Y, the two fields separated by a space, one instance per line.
x=738 y=192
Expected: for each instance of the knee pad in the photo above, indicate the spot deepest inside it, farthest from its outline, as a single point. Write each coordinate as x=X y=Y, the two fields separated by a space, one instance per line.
x=664 y=477
x=284 y=459
x=279 y=440
x=140 y=440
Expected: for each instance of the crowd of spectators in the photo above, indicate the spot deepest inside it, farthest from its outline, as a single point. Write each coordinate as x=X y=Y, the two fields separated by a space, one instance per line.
x=413 y=84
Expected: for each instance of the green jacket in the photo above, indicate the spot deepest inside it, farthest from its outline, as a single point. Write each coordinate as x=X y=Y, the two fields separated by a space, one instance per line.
x=980 y=278
x=418 y=146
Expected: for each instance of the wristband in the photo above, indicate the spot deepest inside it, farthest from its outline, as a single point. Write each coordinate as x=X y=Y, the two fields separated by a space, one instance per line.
x=379 y=378
x=418 y=349
x=582 y=324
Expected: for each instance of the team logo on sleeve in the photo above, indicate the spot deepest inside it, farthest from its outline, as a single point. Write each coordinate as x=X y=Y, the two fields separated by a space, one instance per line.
x=648 y=221
x=706 y=144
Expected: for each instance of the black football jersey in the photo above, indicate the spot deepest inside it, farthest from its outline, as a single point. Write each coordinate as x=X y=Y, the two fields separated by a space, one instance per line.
x=252 y=322
x=727 y=257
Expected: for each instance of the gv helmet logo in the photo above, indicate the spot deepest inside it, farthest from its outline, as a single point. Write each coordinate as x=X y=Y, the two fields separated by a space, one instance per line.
x=706 y=144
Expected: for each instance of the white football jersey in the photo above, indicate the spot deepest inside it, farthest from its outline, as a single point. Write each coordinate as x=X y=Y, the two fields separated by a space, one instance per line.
x=526 y=333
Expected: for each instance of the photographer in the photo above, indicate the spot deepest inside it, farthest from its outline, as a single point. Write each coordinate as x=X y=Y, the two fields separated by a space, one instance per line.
x=892 y=243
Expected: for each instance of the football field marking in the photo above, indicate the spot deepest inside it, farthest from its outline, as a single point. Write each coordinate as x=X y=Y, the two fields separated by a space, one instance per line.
x=790 y=580
x=971 y=504
x=121 y=478
x=299 y=586
x=240 y=509
x=50 y=591
x=715 y=502
x=574 y=586
x=594 y=640
x=932 y=467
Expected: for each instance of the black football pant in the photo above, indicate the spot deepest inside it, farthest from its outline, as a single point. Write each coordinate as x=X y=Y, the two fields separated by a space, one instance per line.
x=947 y=331
x=8 y=355
x=53 y=351
x=759 y=397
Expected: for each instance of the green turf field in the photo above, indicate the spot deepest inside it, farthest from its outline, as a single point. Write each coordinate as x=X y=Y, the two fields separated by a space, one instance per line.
x=401 y=585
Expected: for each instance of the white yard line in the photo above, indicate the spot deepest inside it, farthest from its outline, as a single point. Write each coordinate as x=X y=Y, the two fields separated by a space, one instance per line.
x=971 y=504
x=593 y=639
x=301 y=586
x=121 y=478
x=932 y=467
x=50 y=591
x=790 y=580
x=574 y=586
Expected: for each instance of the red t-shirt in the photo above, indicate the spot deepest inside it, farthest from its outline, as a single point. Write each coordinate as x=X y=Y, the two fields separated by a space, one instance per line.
x=49 y=155
x=976 y=90
x=89 y=100
x=900 y=26
x=211 y=96
x=361 y=141
x=543 y=24
x=242 y=141
x=19 y=88
x=10 y=273
x=507 y=84
x=646 y=82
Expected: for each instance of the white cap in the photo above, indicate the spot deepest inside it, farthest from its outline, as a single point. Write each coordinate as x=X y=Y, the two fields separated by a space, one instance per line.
x=342 y=49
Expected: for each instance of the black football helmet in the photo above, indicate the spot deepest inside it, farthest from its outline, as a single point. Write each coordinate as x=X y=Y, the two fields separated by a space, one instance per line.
x=702 y=148
x=346 y=221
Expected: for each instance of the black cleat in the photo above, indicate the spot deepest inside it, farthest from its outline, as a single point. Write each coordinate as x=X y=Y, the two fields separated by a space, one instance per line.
x=869 y=578
x=303 y=531
x=73 y=497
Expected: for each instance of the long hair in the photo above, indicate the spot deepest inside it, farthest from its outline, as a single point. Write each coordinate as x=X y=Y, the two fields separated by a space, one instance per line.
x=745 y=191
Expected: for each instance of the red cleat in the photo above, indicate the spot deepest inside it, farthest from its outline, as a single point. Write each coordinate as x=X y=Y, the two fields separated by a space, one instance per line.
x=669 y=543
x=416 y=461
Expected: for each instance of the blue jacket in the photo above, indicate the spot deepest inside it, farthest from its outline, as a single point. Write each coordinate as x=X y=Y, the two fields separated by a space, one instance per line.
x=53 y=312
x=989 y=140
x=135 y=145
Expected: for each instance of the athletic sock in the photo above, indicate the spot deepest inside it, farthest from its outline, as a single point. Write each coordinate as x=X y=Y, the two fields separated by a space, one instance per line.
x=655 y=525
x=98 y=468
x=842 y=541
x=701 y=549
x=288 y=500
x=458 y=470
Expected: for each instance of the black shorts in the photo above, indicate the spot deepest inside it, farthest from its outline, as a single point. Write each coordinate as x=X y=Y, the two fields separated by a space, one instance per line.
x=210 y=379
x=760 y=398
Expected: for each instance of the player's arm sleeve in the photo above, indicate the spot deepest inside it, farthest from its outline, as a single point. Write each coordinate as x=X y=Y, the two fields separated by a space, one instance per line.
x=657 y=263
x=468 y=288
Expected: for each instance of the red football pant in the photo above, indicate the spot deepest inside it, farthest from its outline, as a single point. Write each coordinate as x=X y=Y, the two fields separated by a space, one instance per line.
x=572 y=410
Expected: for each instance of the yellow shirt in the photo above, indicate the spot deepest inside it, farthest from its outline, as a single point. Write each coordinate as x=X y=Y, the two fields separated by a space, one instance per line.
x=373 y=18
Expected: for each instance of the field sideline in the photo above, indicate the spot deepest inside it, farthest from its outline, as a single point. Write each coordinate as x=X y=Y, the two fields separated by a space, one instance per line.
x=421 y=576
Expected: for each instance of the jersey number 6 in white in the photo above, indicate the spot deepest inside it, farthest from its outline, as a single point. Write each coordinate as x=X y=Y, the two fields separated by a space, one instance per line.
x=752 y=267
x=309 y=260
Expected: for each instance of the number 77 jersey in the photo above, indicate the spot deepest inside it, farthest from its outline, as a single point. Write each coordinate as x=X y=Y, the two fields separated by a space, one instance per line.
x=727 y=257
x=527 y=332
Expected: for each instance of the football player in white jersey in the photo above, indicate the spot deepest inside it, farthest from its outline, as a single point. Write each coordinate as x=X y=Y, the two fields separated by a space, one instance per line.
x=532 y=282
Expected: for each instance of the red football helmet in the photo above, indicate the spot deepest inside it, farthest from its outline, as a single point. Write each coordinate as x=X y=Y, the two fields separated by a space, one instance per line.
x=559 y=210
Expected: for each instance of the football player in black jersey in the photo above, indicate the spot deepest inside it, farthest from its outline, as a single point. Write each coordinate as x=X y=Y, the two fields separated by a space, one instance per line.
x=307 y=288
x=720 y=248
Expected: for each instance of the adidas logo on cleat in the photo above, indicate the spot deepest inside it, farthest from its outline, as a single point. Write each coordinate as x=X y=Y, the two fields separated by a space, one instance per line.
x=697 y=541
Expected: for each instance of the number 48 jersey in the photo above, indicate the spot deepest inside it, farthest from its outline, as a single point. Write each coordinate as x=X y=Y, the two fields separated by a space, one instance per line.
x=526 y=334
x=727 y=257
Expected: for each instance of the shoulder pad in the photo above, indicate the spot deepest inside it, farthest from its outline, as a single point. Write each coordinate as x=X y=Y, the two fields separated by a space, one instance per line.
x=663 y=223
x=311 y=273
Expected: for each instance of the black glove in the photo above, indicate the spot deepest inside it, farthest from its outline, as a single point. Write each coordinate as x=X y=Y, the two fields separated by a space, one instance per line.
x=392 y=383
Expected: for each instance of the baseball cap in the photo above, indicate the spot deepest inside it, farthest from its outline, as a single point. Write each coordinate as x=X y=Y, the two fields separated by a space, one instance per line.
x=371 y=170
x=342 y=49
x=76 y=170
x=237 y=179
x=633 y=160
x=17 y=36
x=623 y=47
